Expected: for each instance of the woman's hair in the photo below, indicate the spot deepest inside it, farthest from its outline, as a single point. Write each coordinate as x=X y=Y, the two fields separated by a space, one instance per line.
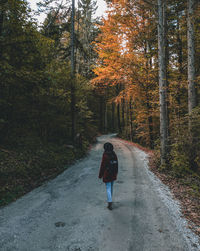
x=108 y=147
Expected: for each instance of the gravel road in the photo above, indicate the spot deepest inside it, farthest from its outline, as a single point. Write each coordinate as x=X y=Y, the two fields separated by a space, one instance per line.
x=69 y=213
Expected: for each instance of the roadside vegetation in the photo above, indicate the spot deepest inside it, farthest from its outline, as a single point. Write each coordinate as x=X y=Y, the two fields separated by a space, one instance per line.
x=130 y=76
x=36 y=140
x=148 y=70
x=21 y=170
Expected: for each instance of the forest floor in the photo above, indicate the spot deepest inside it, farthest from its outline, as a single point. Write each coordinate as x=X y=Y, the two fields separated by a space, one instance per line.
x=70 y=212
x=22 y=170
x=186 y=190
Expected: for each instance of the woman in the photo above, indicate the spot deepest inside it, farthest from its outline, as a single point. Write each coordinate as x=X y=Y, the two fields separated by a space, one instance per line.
x=109 y=170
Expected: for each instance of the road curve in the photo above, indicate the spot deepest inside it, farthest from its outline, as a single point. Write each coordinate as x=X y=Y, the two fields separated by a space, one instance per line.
x=69 y=213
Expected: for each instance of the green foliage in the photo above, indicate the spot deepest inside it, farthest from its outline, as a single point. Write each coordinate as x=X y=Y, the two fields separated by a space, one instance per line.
x=180 y=161
x=185 y=149
x=36 y=82
x=35 y=98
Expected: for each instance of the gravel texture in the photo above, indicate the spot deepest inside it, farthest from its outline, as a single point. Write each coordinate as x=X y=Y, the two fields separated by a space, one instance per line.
x=173 y=205
x=70 y=212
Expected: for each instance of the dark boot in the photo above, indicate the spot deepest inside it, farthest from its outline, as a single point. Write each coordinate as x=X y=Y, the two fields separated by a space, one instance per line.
x=110 y=205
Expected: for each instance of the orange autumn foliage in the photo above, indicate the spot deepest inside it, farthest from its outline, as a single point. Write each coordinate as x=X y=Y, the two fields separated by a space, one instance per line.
x=126 y=60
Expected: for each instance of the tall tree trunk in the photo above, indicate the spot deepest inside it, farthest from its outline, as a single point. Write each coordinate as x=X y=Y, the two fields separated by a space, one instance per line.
x=192 y=100
x=191 y=57
x=127 y=120
x=162 y=79
x=148 y=104
x=113 y=116
x=118 y=118
x=123 y=113
x=131 y=119
x=77 y=53
x=167 y=74
x=150 y=122
x=101 y=114
x=1 y=31
x=105 y=118
x=180 y=65
x=1 y=21
x=73 y=132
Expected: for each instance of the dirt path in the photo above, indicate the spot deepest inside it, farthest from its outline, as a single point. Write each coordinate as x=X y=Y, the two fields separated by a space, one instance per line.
x=69 y=213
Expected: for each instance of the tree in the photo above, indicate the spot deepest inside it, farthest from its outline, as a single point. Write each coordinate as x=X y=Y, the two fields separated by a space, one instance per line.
x=125 y=50
x=86 y=33
x=191 y=57
x=162 y=79
x=73 y=94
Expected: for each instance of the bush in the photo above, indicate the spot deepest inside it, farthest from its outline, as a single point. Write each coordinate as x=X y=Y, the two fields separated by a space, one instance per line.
x=185 y=144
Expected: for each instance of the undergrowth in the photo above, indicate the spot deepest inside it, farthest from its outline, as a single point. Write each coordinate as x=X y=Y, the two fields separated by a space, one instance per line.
x=23 y=169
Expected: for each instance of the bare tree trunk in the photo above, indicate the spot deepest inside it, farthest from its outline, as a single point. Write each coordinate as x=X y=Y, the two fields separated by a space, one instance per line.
x=113 y=116
x=148 y=104
x=191 y=57
x=73 y=131
x=106 y=118
x=167 y=76
x=1 y=30
x=150 y=122
x=118 y=118
x=77 y=53
x=192 y=99
x=127 y=120
x=123 y=113
x=101 y=114
x=162 y=79
x=2 y=11
x=131 y=120
x=180 y=66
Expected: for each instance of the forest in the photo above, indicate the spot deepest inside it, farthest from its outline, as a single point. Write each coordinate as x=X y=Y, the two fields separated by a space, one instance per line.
x=135 y=72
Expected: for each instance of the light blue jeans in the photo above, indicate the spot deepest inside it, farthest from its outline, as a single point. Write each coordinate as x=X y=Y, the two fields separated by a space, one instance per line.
x=109 y=189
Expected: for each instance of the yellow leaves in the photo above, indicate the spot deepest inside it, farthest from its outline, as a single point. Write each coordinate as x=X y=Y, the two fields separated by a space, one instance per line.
x=123 y=63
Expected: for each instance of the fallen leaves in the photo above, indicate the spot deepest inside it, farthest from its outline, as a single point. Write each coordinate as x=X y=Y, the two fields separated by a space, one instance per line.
x=183 y=191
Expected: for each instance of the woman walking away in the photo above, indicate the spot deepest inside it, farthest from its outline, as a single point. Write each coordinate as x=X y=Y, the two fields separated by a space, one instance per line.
x=109 y=170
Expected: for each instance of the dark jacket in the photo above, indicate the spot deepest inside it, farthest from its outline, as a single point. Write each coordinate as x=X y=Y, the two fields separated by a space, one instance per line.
x=103 y=171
